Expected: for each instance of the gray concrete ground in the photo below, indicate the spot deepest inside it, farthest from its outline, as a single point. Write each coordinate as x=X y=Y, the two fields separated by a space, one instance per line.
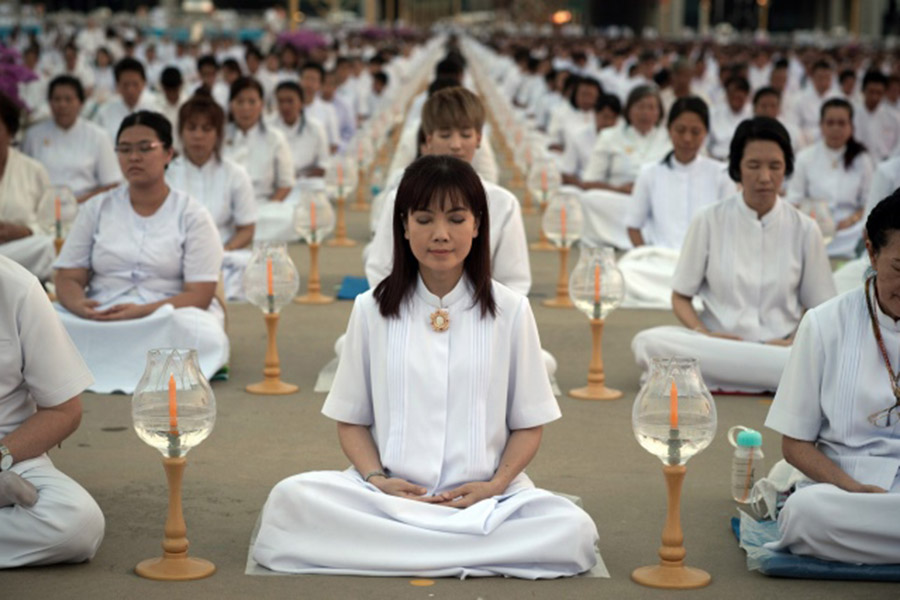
x=590 y=452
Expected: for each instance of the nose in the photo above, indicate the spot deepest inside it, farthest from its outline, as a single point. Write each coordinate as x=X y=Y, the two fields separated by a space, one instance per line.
x=440 y=232
x=455 y=141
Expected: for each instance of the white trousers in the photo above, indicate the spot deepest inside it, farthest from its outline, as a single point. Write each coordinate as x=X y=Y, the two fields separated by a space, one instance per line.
x=65 y=526
x=648 y=273
x=826 y=522
x=333 y=522
x=234 y=264
x=726 y=365
x=35 y=253
x=604 y=218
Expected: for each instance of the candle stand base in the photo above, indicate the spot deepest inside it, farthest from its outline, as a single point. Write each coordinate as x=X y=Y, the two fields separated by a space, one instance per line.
x=316 y=298
x=558 y=302
x=340 y=243
x=542 y=245
x=175 y=568
x=674 y=578
x=595 y=392
x=272 y=387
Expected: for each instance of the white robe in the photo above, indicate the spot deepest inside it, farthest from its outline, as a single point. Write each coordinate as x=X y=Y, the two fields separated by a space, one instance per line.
x=143 y=260
x=40 y=368
x=22 y=184
x=325 y=114
x=80 y=158
x=307 y=140
x=879 y=130
x=577 y=151
x=806 y=107
x=225 y=189
x=665 y=199
x=112 y=112
x=621 y=151
x=819 y=173
x=755 y=277
x=834 y=379
x=723 y=124
x=440 y=406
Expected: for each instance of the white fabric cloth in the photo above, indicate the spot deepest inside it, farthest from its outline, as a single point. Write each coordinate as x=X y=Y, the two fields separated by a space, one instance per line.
x=722 y=125
x=441 y=407
x=755 y=277
x=264 y=153
x=879 y=130
x=111 y=113
x=325 y=114
x=577 y=150
x=143 y=260
x=806 y=107
x=80 y=158
x=307 y=140
x=40 y=368
x=510 y=264
x=23 y=183
x=835 y=378
x=621 y=151
x=604 y=212
x=885 y=180
x=484 y=162
x=819 y=173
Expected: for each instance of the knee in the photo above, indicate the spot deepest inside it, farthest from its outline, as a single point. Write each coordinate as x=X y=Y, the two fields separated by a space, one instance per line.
x=811 y=510
x=79 y=537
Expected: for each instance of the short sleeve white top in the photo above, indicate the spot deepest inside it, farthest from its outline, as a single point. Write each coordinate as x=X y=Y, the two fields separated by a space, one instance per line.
x=22 y=184
x=265 y=154
x=819 y=173
x=307 y=140
x=621 y=151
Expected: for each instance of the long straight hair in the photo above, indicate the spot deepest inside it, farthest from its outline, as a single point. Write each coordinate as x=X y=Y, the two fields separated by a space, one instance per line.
x=447 y=180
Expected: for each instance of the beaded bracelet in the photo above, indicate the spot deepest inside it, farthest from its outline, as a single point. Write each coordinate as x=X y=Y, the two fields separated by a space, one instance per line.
x=374 y=474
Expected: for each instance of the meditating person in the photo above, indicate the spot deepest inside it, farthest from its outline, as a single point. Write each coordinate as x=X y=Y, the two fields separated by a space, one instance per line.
x=45 y=517
x=264 y=152
x=139 y=267
x=23 y=183
x=666 y=197
x=131 y=96
x=755 y=262
x=440 y=429
x=838 y=170
x=220 y=184
x=837 y=408
x=77 y=154
x=305 y=135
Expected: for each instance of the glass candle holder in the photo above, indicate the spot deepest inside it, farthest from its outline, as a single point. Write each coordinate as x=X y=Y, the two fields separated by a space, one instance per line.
x=314 y=217
x=543 y=180
x=56 y=212
x=563 y=220
x=270 y=279
x=819 y=212
x=341 y=176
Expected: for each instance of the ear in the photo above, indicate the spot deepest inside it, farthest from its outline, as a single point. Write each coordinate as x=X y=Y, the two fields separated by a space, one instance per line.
x=870 y=250
x=478 y=140
x=476 y=227
x=428 y=139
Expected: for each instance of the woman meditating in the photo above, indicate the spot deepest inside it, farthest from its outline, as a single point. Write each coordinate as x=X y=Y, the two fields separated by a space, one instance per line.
x=140 y=266
x=440 y=428
x=755 y=262
x=838 y=409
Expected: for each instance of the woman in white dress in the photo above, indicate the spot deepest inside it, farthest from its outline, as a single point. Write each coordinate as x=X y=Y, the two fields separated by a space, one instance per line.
x=23 y=182
x=76 y=153
x=439 y=429
x=264 y=152
x=140 y=266
x=755 y=262
x=305 y=135
x=220 y=184
x=666 y=197
x=838 y=409
x=838 y=170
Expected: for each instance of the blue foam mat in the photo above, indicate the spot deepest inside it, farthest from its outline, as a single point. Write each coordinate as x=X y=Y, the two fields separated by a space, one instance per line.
x=351 y=287
x=753 y=534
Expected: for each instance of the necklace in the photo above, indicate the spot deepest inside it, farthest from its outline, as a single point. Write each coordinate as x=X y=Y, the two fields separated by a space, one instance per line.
x=877 y=330
x=440 y=320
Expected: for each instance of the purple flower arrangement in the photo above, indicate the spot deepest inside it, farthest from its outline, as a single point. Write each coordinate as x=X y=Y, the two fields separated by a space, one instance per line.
x=303 y=39
x=12 y=73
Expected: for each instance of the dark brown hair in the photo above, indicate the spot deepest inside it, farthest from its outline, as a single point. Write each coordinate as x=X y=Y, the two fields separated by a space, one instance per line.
x=854 y=146
x=202 y=106
x=450 y=180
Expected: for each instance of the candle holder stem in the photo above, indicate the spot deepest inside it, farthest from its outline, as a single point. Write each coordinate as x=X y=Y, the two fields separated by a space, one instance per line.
x=671 y=573
x=340 y=239
x=314 y=287
x=58 y=244
x=528 y=203
x=543 y=244
x=562 y=299
x=596 y=388
x=272 y=385
x=175 y=564
x=360 y=204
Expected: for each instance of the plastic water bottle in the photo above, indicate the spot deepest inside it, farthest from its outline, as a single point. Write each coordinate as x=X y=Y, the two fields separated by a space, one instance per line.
x=747 y=464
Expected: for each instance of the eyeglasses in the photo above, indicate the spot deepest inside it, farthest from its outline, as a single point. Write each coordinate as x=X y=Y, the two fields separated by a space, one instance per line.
x=887 y=417
x=142 y=149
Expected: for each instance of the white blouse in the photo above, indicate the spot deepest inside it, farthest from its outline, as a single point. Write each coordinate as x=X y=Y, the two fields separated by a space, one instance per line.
x=148 y=257
x=722 y=125
x=307 y=140
x=81 y=157
x=222 y=186
x=22 y=185
x=878 y=130
x=577 y=150
x=621 y=151
x=265 y=154
x=667 y=195
x=755 y=276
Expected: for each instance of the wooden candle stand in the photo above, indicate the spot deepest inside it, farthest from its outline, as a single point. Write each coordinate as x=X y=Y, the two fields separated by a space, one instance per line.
x=314 y=287
x=543 y=244
x=58 y=244
x=360 y=204
x=528 y=203
x=671 y=573
x=272 y=385
x=596 y=388
x=562 y=299
x=175 y=564
x=340 y=239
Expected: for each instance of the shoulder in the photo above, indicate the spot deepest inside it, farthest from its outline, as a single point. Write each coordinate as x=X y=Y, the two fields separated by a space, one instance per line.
x=23 y=162
x=611 y=135
x=275 y=135
x=91 y=130
x=711 y=165
x=808 y=154
x=837 y=309
x=314 y=122
x=16 y=280
x=498 y=197
x=38 y=129
x=508 y=301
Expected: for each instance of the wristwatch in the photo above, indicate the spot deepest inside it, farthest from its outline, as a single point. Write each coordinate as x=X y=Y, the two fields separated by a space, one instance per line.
x=6 y=459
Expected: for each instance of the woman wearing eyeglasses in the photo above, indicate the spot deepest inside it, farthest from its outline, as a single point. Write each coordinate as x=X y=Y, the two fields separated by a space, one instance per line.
x=838 y=409
x=140 y=266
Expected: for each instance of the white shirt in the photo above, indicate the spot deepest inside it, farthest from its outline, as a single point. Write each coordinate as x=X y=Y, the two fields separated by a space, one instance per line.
x=265 y=154
x=834 y=379
x=807 y=106
x=755 y=276
x=220 y=93
x=441 y=405
x=111 y=113
x=885 y=180
x=307 y=140
x=325 y=114
x=147 y=257
x=80 y=158
x=558 y=118
x=667 y=195
x=879 y=130
x=39 y=365
x=222 y=186
x=722 y=125
x=509 y=248
x=621 y=151
x=22 y=185
x=819 y=173
x=577 y=151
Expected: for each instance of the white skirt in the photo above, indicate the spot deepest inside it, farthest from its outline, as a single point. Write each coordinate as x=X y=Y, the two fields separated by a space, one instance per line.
x=604 y=219
x=34 y=252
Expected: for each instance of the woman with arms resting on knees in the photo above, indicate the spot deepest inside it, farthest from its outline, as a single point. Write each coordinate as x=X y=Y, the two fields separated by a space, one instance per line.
x=756 y=263
x=440 y=428
x=45 y=517
x=140 y=265
x=838 y=408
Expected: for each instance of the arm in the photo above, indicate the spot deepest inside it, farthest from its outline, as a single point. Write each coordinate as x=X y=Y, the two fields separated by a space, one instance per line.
x=243 y=237
x=44 y=429
x=636 y=237
x=683 y=308
x=9 y=232
x=88 y=195
x=806 y=457
x=198 y=293
x=70 y=285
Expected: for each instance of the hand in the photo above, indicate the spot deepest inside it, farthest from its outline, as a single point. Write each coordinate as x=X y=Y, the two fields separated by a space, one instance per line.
x=861 y=488
x=85 y=309
x=781 y=341
x=848 y=222
x=625 y=188
x=468 y=494
x=395 y=486
x=123 y=312
x=721 y=335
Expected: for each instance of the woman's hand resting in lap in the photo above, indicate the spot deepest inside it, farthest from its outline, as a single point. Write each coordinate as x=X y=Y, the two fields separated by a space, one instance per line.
x=123 y=312
x=395 y=486
x=468 y=494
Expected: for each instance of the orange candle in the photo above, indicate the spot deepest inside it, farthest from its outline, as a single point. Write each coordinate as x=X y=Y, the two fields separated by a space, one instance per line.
x=57 y=209
x=673 y=406
x=340 y=174
x=597 y=284
x=562 y=222
x=544 y=180
x=269 y=276
x=173 y=405
x=312 y=216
